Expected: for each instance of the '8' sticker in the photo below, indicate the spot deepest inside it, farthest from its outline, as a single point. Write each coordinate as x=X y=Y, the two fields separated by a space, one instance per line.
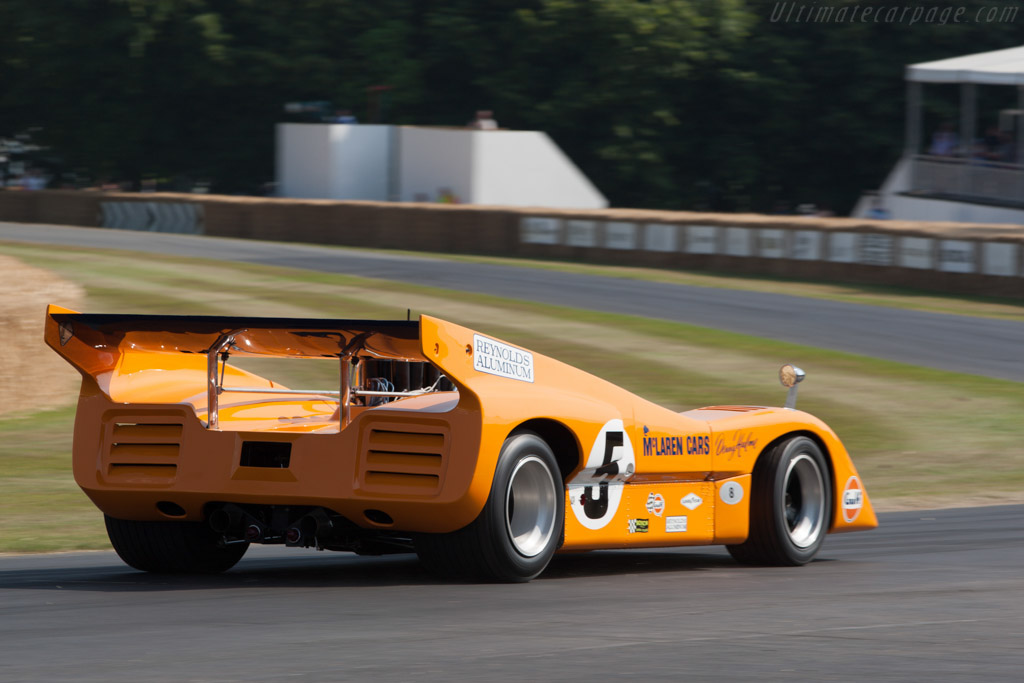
x=731 y=493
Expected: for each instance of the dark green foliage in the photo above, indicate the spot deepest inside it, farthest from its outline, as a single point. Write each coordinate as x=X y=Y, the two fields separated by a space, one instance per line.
x=663 y=103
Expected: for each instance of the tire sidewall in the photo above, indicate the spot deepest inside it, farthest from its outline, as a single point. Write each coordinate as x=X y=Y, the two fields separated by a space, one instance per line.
x=504 y=558
x=171 y=547
x=793 y=449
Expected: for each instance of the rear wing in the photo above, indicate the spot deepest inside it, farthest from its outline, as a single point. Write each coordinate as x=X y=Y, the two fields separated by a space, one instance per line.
x=155 y=359
x=116 y=351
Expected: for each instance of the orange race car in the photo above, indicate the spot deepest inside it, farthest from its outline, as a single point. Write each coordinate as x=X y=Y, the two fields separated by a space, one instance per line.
x=483 y=457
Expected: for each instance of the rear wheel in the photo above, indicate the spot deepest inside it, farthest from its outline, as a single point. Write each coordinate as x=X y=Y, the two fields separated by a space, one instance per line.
x=172 y=547
x=520 y=526
x=790 y=506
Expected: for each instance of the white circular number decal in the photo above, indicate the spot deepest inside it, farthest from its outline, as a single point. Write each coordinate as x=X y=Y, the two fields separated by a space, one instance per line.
x=595 y=493
x=731 y=493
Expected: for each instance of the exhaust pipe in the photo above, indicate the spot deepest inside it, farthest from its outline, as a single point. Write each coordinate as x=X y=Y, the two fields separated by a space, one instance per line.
x=324 y=525
x=314 y=528
x=225 y=518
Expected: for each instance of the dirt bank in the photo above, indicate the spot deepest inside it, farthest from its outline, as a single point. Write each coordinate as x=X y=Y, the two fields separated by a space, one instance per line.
x=33 y=377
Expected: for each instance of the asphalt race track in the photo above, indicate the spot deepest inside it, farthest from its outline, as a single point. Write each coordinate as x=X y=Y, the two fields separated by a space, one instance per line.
x=966 y=344
x=930 y=595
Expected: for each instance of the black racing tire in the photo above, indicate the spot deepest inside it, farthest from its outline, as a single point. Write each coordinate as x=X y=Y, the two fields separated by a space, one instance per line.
x=172 y=547
x=790 y=506
x=520 y=527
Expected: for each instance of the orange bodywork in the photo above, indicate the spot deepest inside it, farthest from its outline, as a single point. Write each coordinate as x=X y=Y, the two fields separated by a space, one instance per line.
x=144 y=448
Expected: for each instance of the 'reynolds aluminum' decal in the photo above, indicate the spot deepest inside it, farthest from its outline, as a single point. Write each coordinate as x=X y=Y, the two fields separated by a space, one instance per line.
x=496 y=358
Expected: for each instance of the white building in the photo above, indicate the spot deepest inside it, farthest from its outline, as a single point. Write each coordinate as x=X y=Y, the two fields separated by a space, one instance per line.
x=412 y=163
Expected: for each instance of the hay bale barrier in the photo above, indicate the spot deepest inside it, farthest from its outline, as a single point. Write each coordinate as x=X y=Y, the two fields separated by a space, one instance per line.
x=954 y=258
x=33 y=377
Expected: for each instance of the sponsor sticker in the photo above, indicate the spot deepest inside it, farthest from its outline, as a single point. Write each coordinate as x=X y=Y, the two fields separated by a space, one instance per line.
x=655 y=504
x=638 y=526
x=675 y=524
x=691 y=501
x=853 y=499
x=495 y=358
x=731 y=493
x=675 y=445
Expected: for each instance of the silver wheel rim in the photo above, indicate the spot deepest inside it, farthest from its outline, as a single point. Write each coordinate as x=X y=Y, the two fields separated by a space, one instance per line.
x=804 y=494
x=530 y=505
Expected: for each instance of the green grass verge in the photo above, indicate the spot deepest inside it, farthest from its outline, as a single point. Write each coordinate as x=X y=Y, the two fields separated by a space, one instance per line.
x=41 y=506
x=920 y=437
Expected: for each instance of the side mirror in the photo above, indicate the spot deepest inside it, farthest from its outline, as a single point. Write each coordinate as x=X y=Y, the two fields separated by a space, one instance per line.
x=789 y=377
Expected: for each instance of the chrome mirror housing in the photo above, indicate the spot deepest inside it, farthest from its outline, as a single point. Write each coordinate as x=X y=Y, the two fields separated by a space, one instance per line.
x=789 y=377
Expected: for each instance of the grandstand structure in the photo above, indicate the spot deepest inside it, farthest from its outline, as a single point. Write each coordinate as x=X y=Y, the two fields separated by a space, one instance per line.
x=973 y=173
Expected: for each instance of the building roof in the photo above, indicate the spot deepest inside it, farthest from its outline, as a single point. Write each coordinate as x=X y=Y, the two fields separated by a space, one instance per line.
x=999 y=67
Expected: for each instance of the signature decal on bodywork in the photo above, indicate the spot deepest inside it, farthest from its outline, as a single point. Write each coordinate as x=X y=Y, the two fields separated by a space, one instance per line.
x=736 y=444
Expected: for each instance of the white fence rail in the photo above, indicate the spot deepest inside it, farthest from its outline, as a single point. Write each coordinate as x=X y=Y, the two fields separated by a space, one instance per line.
x=985 y=257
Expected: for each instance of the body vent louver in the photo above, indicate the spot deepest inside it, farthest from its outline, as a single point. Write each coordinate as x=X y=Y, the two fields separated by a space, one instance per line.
x=140 y=452
x=404 y=461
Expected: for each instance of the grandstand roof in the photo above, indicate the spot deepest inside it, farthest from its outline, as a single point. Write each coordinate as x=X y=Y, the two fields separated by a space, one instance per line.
x=999 y=67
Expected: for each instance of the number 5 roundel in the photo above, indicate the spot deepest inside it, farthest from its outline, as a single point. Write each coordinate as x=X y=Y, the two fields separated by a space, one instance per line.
x=595 y=493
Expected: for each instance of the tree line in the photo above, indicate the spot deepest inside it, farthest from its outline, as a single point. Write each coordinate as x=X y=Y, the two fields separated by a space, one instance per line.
x=678 y=104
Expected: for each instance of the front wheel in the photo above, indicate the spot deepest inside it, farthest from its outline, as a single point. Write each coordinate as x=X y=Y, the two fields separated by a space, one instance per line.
x=173 y=547
x=521 y=524
x=790 y=506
